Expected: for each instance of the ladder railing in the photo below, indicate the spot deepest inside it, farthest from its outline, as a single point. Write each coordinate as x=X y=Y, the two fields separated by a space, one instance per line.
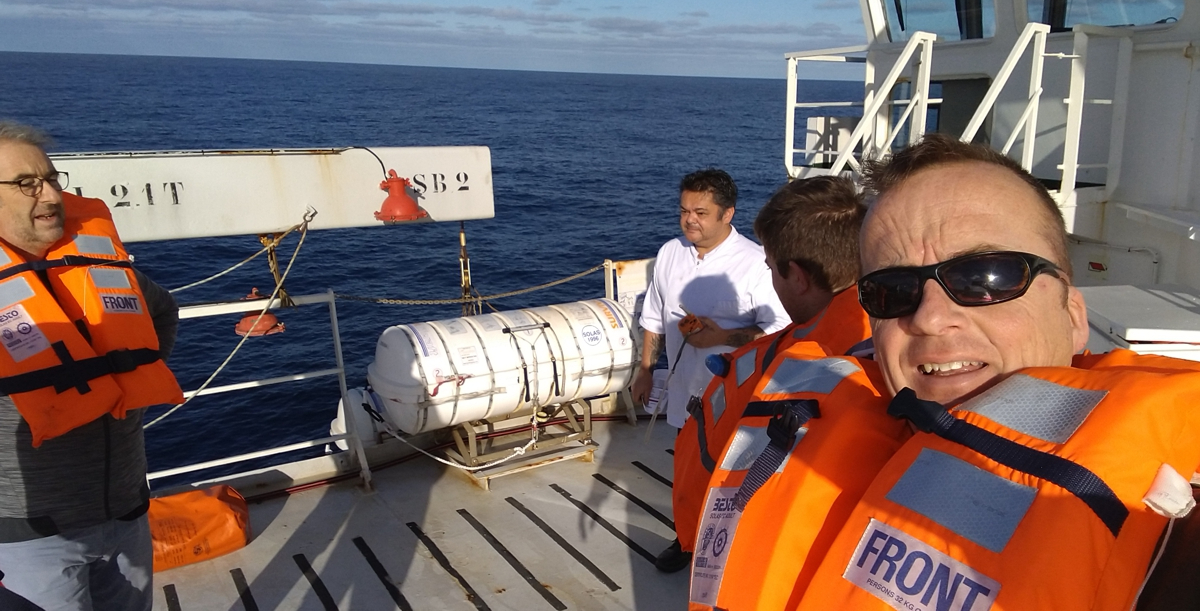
x=1076 y=101
x=1026 y=125
x=874 y=133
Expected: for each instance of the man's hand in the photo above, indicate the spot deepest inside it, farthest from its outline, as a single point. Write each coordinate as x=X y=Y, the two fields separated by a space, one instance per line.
x=710 y=334
x=643 y=381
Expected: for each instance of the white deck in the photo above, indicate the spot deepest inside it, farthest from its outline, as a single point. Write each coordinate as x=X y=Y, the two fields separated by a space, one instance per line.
x=376 y=550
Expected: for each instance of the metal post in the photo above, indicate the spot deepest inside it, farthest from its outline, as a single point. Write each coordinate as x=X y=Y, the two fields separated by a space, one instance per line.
x=1074 y=127
x=1035 y=95
x=789 y=119
x=348 y=411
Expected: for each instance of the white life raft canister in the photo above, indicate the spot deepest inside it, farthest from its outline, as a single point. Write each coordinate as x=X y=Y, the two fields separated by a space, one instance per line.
x=438 y=374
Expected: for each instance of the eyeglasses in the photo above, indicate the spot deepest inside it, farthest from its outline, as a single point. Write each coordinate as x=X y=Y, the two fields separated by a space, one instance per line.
x=32 y=185
x=976 y=279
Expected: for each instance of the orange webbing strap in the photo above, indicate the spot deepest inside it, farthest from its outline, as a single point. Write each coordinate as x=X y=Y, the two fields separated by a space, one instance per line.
x=197 y=525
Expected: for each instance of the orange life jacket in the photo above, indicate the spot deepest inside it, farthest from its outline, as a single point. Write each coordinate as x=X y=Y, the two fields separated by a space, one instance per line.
x=841 y=326
x=84 y=345
x=1055 y=518
x=763 y=535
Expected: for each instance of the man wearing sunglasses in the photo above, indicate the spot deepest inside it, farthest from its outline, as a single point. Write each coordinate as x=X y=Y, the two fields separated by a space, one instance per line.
x=1036 y=479
x=83 y=338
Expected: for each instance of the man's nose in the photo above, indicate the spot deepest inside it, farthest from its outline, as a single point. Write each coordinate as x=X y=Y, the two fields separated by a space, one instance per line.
x=936 y=313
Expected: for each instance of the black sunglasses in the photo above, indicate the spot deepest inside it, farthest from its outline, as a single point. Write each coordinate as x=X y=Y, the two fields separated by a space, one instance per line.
x=977 y=279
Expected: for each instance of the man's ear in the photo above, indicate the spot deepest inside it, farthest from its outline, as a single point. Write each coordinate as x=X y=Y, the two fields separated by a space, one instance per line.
x=798 y=278
x=1077 y=310
x=727 y=215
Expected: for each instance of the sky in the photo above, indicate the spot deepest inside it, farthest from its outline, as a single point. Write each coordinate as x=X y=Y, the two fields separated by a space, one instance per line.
x=692 y=38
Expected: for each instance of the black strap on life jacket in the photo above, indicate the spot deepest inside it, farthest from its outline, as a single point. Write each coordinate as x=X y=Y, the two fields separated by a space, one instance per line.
x=789 y=416
x=76 y=374
x=932 y=417
x=695 y=408
x=65 y=261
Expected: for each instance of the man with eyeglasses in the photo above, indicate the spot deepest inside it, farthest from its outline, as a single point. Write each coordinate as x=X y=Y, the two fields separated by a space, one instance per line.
x=84 y=337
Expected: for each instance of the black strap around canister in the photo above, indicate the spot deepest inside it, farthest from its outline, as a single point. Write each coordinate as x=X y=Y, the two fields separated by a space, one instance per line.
x=76 y=374
x=789 y=416
x=932 y=417
x=64 y=261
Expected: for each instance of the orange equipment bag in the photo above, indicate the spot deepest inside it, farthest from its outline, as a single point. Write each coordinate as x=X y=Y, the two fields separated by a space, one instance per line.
x=197 y=525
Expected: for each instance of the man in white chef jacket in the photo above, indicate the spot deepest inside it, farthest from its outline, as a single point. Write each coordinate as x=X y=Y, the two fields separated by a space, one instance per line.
x=722 y=278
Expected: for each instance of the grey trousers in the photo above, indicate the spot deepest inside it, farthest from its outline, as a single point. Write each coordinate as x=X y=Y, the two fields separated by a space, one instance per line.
x=101 y=568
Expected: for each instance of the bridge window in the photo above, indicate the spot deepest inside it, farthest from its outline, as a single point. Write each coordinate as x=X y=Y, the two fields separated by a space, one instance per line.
x=1060 y=15
x=949 y=19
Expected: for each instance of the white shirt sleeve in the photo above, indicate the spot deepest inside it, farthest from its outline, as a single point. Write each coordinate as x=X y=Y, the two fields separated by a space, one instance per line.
x=652 y=306
x=769 y=314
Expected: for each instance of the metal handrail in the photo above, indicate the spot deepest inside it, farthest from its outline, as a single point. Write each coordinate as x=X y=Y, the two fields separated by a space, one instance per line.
x=916 y=108
x=1033 y=33
x=1075 y=101
x=350 y=436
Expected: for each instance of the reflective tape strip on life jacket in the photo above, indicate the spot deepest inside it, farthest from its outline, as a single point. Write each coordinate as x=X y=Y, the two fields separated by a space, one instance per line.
x=819 y=376
x=744 y=366
x=76 y=374
x=790 y=416
x=932 y=417
x=952 y=492
x=1039 y=408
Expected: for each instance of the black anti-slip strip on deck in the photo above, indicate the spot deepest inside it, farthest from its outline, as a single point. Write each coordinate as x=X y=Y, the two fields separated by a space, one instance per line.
x=172 y=597
x=570 y=549
x=658 y=515
x=652 y=473
x=441 y=558
x=382 y=574
x=314 y=580
x=670 y=451
x=605 y=524
x=512 y=560
x=243 y=589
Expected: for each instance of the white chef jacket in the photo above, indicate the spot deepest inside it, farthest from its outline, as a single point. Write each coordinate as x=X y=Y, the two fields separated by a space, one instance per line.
x=731 y=285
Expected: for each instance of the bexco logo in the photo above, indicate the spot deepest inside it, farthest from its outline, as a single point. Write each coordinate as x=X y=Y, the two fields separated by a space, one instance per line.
x=9 y=315
x=910 y=575
x=592 y=336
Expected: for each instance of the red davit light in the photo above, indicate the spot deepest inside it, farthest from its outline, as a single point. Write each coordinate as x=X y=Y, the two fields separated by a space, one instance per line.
x=398 y=207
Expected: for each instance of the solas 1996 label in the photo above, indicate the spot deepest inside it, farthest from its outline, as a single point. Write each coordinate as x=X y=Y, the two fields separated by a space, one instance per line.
x=910 y=575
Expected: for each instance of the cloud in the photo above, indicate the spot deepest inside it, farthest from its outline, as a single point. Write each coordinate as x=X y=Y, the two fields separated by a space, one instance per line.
x=836 y=5
x=625 y=25
x=695 y=14
x=547 y=3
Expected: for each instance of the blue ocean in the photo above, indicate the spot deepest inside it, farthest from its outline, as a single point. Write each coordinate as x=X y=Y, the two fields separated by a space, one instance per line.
x=586 y=167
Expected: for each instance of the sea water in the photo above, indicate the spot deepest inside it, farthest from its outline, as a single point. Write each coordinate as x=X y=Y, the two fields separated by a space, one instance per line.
x=585 y=167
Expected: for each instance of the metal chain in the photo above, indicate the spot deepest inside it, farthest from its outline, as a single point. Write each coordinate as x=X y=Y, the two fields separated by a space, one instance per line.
x=470 y=299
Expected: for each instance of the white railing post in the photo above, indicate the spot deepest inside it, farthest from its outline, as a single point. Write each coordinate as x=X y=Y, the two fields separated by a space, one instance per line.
x=1035 y=94
x=1074 y=126
x=1120 y=107
x=789 y=133
x=348 y=408
x=920 y=97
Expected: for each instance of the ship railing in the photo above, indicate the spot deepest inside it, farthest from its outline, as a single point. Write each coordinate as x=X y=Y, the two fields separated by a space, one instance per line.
x=1026 y=125
x=350 y=437
x=875 y=134
x=1076 y=101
